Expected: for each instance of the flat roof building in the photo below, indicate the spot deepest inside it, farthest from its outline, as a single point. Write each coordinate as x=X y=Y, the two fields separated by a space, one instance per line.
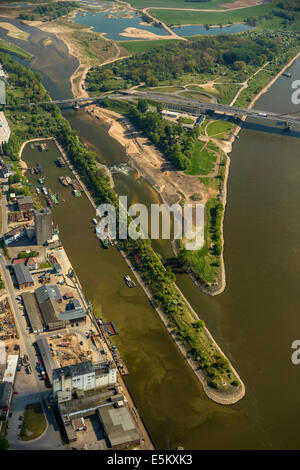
x=25 y=203
x=33 y=312
x=4 y=128
x=5 y=398
x=46 y=357
x=119 y=427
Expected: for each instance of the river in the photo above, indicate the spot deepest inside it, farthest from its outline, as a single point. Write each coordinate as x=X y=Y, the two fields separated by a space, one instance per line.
x=255 y=320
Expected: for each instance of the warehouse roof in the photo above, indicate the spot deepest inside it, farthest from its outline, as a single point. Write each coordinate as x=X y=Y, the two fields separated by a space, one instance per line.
x=5 y=393
x=33 y=311
x=46 y=357
x=22 y=274
x=47 y=292
x=49 y=310
x=72 y=315
x=119 y=425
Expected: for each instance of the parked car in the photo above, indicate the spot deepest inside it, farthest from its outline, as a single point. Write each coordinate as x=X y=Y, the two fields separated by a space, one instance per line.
x=21 y=417
x=16 y=393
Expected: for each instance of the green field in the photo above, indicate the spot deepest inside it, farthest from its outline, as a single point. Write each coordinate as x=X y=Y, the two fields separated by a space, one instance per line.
x=173 y=17
x=204 y=262
x=178 y=4
x=219 y=129
x=34 y=422
x=203 y=160
x=134 y=47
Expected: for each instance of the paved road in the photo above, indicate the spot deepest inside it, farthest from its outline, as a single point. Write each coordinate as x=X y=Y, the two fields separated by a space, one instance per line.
x=202 y=106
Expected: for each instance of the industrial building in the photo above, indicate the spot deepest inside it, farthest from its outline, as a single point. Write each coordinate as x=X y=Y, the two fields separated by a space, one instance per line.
x=119 y=427
x=83 y=376
x=23 y=276
x=6 y=170
x=33 y=312
x=48 y=292
x=43 y=226
x=46 y=357
x=6 y=389
x=14 y=235
x=4 y=129
x=25 y=203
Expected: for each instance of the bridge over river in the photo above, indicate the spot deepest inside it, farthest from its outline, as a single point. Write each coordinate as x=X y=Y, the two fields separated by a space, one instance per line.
x=192 y=106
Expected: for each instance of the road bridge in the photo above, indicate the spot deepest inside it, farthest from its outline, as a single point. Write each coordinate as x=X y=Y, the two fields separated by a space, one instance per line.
x=192 y=105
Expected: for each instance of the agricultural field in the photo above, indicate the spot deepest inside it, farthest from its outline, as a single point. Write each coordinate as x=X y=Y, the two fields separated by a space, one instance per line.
x=134 y=47
x=177 y=17
x=178 y=4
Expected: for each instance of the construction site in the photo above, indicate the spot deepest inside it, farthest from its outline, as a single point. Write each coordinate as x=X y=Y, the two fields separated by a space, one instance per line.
x=8 y=331
x=68 y=349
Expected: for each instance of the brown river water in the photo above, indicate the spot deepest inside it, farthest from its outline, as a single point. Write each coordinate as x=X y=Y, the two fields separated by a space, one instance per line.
x=257 y=317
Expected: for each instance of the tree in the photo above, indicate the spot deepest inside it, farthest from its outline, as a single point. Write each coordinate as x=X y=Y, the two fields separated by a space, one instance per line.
x=4 y=445
x=143 y=106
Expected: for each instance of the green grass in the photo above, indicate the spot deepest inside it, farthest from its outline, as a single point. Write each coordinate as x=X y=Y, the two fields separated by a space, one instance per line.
x=173 y=17
x=13 y=49
x=177 y=4
x=203 y=161
x=219 y=129
x=34 y=422
x=134 y=47
x=196 y=96
x=203 y=261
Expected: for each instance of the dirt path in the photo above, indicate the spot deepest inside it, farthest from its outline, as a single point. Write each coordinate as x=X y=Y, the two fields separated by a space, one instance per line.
x=245 y=84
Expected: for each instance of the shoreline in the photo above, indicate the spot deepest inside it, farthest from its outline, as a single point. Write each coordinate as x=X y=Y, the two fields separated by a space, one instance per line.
x=223 y=398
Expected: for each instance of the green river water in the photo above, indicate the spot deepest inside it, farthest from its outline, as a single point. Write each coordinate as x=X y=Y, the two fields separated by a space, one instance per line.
x=255 y=320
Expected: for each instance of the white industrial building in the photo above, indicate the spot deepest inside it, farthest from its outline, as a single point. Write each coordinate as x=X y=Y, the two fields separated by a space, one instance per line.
x=4 y=128
x=83 y=376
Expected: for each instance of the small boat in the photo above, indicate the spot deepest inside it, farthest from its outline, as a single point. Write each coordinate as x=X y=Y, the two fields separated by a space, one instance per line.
x=53 y=199
x=37 y=190
x=76 y=193
x=287 y=74
x=63 y=181
x=41 y=180
x=104 y=243
x=45 y=191
x=129 y=281
x=94 y=221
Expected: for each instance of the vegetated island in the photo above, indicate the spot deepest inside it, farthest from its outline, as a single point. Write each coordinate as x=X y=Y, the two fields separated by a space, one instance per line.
x=220 y=380
x=189 y=162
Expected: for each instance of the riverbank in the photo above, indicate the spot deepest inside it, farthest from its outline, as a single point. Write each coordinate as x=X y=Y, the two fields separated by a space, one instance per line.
x=217 y=396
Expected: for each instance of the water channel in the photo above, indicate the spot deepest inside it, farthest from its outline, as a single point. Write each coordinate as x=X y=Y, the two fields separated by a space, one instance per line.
x=255 y=320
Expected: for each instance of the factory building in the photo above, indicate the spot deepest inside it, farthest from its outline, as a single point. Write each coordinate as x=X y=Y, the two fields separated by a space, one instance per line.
x=6 y=389
x=83 y=376
x=33 y=312
x=23 y=276
x=4 y=128
x=43 y=226
x=119 y=428
x=25 y=203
